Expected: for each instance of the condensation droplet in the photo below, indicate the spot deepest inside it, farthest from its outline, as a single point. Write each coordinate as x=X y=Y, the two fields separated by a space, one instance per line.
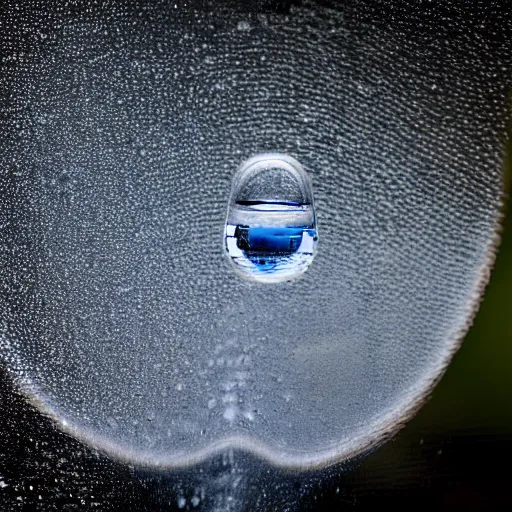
x=243 y=25
x=271 y=233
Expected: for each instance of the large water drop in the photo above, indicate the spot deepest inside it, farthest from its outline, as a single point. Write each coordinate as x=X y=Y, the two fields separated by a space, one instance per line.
x=271 y=232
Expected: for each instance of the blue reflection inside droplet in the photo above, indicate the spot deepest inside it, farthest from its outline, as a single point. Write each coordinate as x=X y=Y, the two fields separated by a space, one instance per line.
x=273 y=241
x=268 y=240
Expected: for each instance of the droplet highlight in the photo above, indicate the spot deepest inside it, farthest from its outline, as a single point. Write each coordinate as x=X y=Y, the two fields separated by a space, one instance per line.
x=271 y=233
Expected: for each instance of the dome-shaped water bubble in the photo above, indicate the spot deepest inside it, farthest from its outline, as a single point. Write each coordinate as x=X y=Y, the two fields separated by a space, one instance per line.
x=271 y=232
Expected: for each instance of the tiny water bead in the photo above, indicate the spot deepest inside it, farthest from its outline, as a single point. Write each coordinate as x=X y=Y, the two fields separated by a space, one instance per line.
x=271 y=234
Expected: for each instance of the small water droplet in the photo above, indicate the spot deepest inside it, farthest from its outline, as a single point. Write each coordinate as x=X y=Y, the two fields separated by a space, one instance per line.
x=271 y=234
x=243 y=25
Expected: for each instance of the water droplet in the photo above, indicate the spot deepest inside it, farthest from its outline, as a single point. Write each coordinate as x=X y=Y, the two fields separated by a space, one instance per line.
x=243 y=25
x=271 y=234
